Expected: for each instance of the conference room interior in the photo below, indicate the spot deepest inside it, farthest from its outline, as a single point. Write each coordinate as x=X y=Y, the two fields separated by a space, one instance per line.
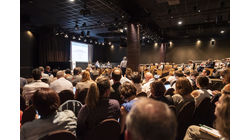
x=167 y=38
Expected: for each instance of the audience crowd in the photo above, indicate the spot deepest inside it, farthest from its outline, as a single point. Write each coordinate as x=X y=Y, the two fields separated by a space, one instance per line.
x=147 y=104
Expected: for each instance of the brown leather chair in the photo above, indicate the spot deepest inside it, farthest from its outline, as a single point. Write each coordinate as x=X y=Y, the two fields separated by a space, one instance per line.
x=59 y=135
x=108 y=129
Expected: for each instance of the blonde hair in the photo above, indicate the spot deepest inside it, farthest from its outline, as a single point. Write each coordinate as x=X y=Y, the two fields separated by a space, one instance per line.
x=93 y=95
x=85 y=76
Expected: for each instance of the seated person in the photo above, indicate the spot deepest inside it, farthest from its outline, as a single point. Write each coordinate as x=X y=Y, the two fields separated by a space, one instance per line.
x=150 y=120
x=157 y=92
x=203 y=92
x=97 y=108
x=222 y=122
x=46 y=101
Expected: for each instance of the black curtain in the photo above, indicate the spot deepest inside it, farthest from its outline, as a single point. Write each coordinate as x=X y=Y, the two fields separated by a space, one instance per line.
x=52 y=48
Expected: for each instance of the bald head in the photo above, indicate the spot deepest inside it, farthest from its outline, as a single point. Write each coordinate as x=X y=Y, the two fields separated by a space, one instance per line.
x=148 y=76
x=150 y=120
x=60 y=74
x=116 y=74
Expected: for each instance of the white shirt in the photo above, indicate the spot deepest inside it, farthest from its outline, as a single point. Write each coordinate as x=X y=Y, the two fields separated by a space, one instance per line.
x=29 y=89
x=122 y=80
x=203 y=94
x=82 y=85
x=61 y=84
x=146 y=87
x=123 y=64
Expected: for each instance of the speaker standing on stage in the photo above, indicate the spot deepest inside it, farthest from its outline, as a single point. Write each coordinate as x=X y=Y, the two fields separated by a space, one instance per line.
x=123 y=65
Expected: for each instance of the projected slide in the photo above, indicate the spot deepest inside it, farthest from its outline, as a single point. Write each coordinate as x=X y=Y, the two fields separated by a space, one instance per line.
x=79 y=52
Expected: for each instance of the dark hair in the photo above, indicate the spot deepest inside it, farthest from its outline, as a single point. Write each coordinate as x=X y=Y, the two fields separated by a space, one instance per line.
x=66 y=95
x=36 y=74
x=54 y=72
x=76 y=71
x=103 y=85
x=81 y=95
x=116 y=76
x=67 y=71
x=127 y=89
x=158 y=88
x=179 y=73
x=46 y=101
x=203 y=81
x=207 y=72
x=187 y=72
x=163 y=80
x=194 y=73
x=136 y=78
x=183 y=86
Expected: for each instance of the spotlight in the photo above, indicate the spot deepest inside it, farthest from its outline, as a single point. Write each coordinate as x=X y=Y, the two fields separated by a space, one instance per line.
x=179 y=22
x=199 y=11
x=143 y=37
x=112 y=46
x=222 y=31
x=109 y=43
x=79 y=38
x=73 y=37
x=156 y=44
x=61 y=33
x=71 y=0
x=102 y=43
x=125 y=28
x=66 y=36
x=171 y=17
x=99 y=43
x=85 y=40
x=90 y=41
x=57 y=33
x=121 y=30
x=95 y=42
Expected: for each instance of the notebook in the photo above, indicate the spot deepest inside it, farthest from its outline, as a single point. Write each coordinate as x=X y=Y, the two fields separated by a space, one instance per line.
x=210 y=131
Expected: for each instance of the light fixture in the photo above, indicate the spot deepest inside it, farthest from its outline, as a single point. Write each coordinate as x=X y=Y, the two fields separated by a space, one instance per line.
x=170 y=43
x=61 y=33
x=73 y=37
x=95 y=42
x=222 y=31
x=198 y=41
x=212 y=42
x=112 y=46
x=71 y=0
x=90 y=41
x=199 y=11
x=121 y=30
x=103 y=44
x=79 y=38
x=143 y=37
x=99 y=43
x=66 y=36
x=57 y=33
x=156 y=44
x=85 y=40
x=179 y=22
x=125 y=28
x=109 y=43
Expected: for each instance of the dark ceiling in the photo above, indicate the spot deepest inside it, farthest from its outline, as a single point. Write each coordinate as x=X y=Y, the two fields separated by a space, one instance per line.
x=104 y=18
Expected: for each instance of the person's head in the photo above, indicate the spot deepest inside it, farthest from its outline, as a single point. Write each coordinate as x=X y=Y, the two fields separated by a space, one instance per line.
x=183 y=86
x=68 y=71
x=46 y=101
x=157 y=88
x=226 y=76
x=222 y=113
x=124 y=58
x=116 y=75
x=60 y=74
x=205 y=72
x=54 y=72
x=187 y=72
x=128 y=71
x=103 y=85
x=194 y=74
x=41 y=68
x=81 y=95
x=76 y=71
x=128 y=90
x=66 y=95
x=36 y=74
x=47 y=68
x=202 y=82
x=150 y=120
x=226 y=89
x=148 y=76
x=178 y=74
x=85 y=76
x=92 y=96
x=136 y=78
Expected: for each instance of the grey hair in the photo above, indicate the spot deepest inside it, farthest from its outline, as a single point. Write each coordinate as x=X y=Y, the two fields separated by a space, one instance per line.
x=151 y=120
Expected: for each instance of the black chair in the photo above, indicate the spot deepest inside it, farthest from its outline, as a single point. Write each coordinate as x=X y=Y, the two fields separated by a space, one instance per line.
x=59 y=135
x=29 y=114
x=108 y=129
x=204 y=113
x=184 y=118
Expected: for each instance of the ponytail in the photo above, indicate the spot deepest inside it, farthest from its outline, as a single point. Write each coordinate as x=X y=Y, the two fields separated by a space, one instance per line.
x=93 y=95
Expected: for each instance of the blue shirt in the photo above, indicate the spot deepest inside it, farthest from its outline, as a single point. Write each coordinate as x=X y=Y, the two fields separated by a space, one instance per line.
x=129 y=105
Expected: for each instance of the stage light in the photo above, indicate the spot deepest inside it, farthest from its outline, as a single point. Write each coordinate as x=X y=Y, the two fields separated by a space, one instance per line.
x=156 y=44
x=57 y=33
x=61 y=33
x=73 y=37
x=29 y=33
x=222 y=31
x=79 y=38
x=121 y=30
x=112 y=46
x=109 y=43
x=179 y=22
x=95 y=42
x=90 y=41
x=143 y=37
x=66 y=36
x=199 y=11
x=125 y=28
x=103 y=44
x=71 y=0
x=85 y=40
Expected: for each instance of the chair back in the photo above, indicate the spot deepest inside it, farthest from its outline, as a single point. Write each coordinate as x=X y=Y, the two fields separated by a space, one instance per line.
x=184 y=118
x=204 y=113
x=59 y=135
x=72 y=105
x=108 y=129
